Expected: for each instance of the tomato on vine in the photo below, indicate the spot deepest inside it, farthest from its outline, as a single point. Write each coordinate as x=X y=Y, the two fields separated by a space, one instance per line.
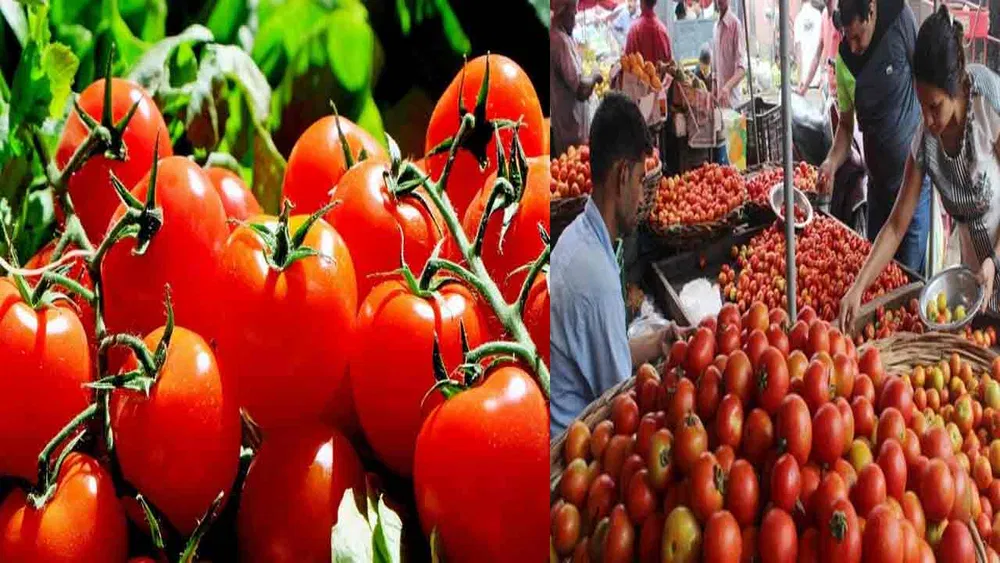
x=238 y=201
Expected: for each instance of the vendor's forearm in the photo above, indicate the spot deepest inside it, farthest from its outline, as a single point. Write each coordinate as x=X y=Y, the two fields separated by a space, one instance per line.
x=842 y=141
x=740 y=73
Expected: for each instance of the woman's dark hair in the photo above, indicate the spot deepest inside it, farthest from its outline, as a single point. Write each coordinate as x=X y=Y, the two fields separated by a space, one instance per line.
x=939 y=55
x=618 y=132
x=850 y=10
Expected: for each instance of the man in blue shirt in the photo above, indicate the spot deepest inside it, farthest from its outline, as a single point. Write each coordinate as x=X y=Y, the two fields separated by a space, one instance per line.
x=590 y=349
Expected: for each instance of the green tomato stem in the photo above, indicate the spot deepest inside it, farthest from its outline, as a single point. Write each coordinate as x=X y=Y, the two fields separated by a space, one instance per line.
x=46 y=476
x=70 y=284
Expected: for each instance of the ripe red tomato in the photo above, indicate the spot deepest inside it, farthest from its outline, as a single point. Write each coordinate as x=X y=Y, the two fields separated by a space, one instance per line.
x=936 y=444
x=723 y=542
x=743 y=493
x=462 y=464
x=817 y=389
x=94 y=197
x=640 y=498
x=755 y=345
x=828 y=432
x=728 y=339
x=794 y=429
x=896 y=394
x=376 y=225
x=709 y=393
x=185 y=253
x=890 y=425
x=883 y=537
x=819 y=338
x=831 y=488
x=847 y=417
x=78 y=272
x=238 y=201
x=840 y=534
x=844 y=374
x=82 y=521
x=863 y=387
x=536 y=318
x=619 y=544
x=786 y=483
x=772 y=380
x=700 y=353
x=758 y=436
x=317 y=162
x=317 y=296
x=914 y=512
x=756 y=318
x=798 y=337
x=292 y=492
x=707 y=486
x=624 y=412
x=777 y=539
x=681 y=402
x=510 y=96
x=937 y=490
x=869 y=491
x=521 y=243
x=893 y=463
x=870 y=364
x=738 y=375
x=729 y=421
x=690 y=441
x=659 y=459
x=809 y=546
x=46 y=361
x=778 y=339
x=179 y=446
x=864 y=417
x=396 y=332
x=956 y=543
x=651 y=537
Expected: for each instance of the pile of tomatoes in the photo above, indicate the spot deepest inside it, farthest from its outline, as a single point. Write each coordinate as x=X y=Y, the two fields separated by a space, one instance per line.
x=907 y=319
x=571 y=173
x=759 y=443
x=704 y=195
x=828 y=256
x=304 y=324
x=759 y=186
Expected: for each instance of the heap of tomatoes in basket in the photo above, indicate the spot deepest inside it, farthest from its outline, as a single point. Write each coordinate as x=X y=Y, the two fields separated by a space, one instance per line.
x=571 y=172
x=889 y=321
x=706 y=194
x=759 y=185
x=759 y=443
x=828 y=256
x=311 y=331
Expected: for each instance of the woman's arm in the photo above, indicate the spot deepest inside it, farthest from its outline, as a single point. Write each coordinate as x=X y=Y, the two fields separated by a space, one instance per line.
x=886 y=242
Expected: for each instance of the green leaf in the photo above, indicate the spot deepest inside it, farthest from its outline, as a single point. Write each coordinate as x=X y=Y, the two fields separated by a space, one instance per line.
x=226 y=18
x=351 y=47
x=60 y=65
x=129 y=48
x=152 y=70
x=371 y=120
x=388 y=535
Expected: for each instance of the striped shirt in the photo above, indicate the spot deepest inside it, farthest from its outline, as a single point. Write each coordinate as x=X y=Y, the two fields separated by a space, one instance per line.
x=968 y=182
x=730 y=54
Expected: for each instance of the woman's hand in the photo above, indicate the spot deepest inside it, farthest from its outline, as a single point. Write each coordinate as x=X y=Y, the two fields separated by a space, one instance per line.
x=987 y=271
x=849 y=307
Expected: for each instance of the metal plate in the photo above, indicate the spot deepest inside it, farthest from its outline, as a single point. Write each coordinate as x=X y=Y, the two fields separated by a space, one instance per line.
x=777 y=200
x=960 y=287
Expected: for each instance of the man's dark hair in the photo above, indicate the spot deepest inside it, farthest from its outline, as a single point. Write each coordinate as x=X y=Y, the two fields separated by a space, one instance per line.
x=618 y=132
x=850 y=10
x=648 y=3
x=681 y=10
x=939 y=54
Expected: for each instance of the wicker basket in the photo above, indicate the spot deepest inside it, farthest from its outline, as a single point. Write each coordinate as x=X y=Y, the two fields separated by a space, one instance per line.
x=902 y=352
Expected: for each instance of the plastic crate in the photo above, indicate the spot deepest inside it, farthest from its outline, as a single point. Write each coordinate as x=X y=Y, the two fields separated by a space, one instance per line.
x=764 y=133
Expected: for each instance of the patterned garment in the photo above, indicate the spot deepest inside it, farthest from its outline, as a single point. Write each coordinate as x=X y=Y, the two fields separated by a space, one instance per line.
x=968 y=182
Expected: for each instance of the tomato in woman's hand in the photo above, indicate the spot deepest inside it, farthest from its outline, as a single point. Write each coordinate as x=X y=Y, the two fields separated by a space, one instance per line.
x=292 y=492
x=723 y=540
x=238 y=201
x=480 y=470
x=777 y=539
x=94 y=197
x=317 y=162
x=179 y=446
x=184 y=253
x=522 y=243
x=510 y=96
x=82 y=521
x=46 y=360
x=377 y=225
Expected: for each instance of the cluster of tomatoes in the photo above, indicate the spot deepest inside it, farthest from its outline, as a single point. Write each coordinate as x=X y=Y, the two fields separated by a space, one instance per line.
x=907 y=319
x=828 y=256
x=303 y=323
x=704 y=195
x=759 y=444
x=800 y=214
x=987 y=338
x=759 y=186
x=571 y=173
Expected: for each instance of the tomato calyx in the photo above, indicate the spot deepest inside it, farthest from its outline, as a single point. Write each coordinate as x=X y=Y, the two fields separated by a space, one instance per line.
x=838 y=526
x=719 y=479
x=47 y=471
x=479 y=138
x=508 y=190
x=284 y=247
x=349 y=159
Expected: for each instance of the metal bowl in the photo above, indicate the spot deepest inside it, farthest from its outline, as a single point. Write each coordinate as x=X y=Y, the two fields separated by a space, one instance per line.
x=960 y=287
x=777 y=200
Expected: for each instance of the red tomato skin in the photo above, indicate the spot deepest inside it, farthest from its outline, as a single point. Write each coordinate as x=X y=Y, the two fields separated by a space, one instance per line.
x=78 y=272
x=94 y=197
x=870 y=490
x=777 y=540
x=828 y=431
x=511 y=96
x=371 y=220
x=882 y=541
x=45 y=361
x=536 y=317
x=238 y=201
x=794 y=427
x=83 y=521
x=480 y=471
x=184 y=253
x=521 y=243
x=956 y=543
x=844 y=548
x=316 y=163
x=180 y=446
x=394 y=350
x=309 y=336
x=723 y=541
x=292 y=492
